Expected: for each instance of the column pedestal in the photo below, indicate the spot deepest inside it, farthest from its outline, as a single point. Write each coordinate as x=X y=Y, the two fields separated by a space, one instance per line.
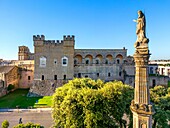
x=140 y=106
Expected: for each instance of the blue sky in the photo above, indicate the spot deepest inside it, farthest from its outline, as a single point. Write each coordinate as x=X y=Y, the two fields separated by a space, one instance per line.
x=96 y=24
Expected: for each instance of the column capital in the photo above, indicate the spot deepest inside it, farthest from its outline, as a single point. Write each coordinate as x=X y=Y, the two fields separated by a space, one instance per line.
x=141 y=59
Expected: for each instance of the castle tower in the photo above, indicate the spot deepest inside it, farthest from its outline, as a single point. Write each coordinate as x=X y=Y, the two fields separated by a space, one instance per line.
x=23 y=53
x=53 y=63
x=140 y=106
x=53 y=58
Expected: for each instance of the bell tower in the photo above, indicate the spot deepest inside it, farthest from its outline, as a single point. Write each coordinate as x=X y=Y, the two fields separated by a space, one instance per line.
x=23 y=53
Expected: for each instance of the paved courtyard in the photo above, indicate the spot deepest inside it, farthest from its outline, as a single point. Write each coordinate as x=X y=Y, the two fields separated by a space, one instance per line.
x=42 y=117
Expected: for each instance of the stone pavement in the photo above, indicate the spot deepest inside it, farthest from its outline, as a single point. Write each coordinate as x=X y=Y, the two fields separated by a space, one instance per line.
x=41 y=116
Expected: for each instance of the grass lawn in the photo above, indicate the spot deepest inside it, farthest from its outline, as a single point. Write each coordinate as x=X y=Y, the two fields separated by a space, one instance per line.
x=19 y=98
x=46 y=101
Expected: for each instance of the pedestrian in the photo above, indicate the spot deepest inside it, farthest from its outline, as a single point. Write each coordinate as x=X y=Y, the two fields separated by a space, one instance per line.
x=20 y=121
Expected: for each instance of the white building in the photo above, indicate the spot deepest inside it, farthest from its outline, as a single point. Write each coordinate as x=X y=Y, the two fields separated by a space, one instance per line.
x=159 y=67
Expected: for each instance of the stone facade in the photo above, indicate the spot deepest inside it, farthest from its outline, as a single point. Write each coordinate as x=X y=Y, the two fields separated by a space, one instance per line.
x=104 y=64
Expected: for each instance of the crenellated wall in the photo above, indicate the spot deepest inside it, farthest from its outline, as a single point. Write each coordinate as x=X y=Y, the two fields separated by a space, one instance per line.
x=40 y=40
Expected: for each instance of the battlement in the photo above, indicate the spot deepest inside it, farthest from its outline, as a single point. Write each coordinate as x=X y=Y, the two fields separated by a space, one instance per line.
x=53 y=42
x=40 y=41
x=68 y=38
x=38 y=37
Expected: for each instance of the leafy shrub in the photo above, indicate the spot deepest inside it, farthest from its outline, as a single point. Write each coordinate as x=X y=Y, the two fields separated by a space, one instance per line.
x=5 y=124
x=28 y=125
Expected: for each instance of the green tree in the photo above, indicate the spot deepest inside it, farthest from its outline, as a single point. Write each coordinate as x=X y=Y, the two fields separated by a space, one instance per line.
x=160 y=96
x=5 y=124
x=88 y=103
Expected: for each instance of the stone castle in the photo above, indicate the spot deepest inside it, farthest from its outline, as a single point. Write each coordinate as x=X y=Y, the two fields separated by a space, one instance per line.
x=56 y=62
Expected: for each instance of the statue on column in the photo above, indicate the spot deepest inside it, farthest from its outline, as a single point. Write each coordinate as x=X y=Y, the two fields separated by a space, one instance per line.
x=141 y=43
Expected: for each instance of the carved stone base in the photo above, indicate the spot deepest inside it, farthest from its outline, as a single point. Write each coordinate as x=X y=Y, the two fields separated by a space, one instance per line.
x=142 y=46
x=142 y=50
x=142 y=120
x=142 y=115
x=141 y=108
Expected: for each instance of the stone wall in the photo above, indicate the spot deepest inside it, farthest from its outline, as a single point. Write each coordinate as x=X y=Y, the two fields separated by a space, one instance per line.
x=158 y=80
x=103 y=72
x=45 y=87
x=152 y=80
x=12 y=77
x=26 y=78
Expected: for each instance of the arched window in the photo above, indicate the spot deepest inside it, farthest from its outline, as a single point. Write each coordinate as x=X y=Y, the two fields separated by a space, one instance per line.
x=78 y=58
x=107 y=61
x=64 y=61
x=118 y=61
x=97 y=61
x=43 y=61
x=87 y=61
x=75 y=61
